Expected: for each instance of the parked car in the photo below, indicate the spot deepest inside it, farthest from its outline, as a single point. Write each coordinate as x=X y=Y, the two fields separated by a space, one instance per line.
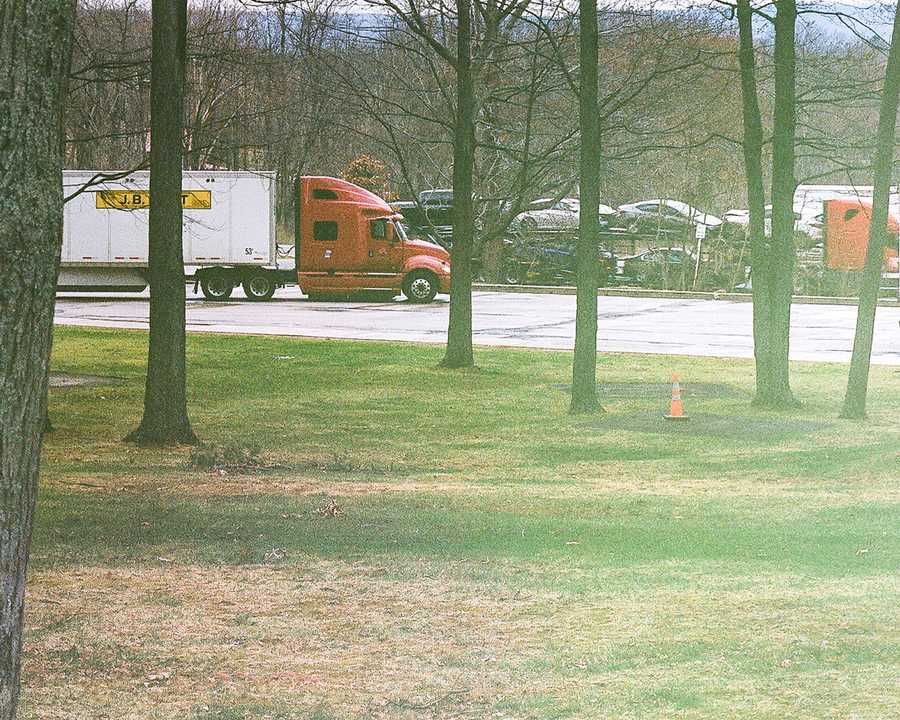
x=736 y=223
x=433 y=223
x=654 y=217
x=440 y=198
x=653 y=266
x=548 y=214
x=543 y=263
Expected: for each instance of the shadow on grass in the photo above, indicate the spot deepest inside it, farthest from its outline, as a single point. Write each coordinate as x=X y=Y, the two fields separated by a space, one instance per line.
x=605 y=531
x=649 y=390
x=745 y=428
x=827 y=462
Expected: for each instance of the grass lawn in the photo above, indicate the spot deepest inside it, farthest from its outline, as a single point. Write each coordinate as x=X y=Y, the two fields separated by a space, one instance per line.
x=423 y=543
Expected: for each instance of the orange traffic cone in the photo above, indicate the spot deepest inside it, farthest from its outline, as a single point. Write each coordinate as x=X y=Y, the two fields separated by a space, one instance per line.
x=676 y=411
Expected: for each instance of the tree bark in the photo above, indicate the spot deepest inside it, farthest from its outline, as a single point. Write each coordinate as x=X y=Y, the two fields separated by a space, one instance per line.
x=165 y=419
x=459 y=332
x=756 y=195
x=773 y=385
x=35 y=50
x=858 y=378
x=772 y=259
x=584 y=364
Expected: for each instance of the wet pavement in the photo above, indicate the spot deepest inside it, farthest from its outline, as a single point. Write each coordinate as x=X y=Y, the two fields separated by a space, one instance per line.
x=626 y=324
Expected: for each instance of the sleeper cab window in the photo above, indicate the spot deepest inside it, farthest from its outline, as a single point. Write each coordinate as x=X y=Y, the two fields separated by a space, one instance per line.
x=378 y=229
x=324 y=194
x=325 y=230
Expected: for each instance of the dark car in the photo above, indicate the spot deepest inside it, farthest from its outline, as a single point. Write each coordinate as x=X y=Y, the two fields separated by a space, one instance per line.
x=550 y=263
x=432 y=222
x=437 y=207
x=659 y=267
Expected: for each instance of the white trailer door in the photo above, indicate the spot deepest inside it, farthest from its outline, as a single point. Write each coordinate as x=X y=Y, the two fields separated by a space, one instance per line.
x=86 y=235
x=250 y=220
x=207 y=232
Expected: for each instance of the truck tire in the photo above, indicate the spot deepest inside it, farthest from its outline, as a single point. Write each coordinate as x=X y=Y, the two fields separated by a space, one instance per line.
x=259 y=286
x=216 y=286
x=420 y=286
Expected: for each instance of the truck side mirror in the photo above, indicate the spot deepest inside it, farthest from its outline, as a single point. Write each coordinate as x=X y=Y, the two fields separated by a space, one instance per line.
x=391 y=232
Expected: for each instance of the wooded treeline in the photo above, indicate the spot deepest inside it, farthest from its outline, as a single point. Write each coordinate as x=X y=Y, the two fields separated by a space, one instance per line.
x=307 y=87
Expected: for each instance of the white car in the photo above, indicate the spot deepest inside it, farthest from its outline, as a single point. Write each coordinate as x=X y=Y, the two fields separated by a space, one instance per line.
x=737 y=223
x=550 y=214
x=663 y=216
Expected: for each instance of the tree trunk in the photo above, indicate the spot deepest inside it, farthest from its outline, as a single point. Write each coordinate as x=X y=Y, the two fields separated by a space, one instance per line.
x=459 y=332
x=756 y=195
x=584 y=365
x=773 y=260
x=165 y=418
x=858 y=379
x=35 y=48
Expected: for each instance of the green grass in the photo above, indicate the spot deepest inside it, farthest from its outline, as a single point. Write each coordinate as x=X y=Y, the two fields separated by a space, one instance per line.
x=491 y=556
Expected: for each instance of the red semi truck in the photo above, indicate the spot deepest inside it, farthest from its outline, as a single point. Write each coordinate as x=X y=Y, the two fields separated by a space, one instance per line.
x=347 y=241
x=846 y=235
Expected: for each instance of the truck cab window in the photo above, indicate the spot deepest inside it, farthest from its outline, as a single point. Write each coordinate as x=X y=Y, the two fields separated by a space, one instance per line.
x=325 y=230
x=324 y=194
x=378 y=228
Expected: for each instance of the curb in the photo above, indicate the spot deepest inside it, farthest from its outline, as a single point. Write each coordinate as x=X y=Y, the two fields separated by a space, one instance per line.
x=670 y=294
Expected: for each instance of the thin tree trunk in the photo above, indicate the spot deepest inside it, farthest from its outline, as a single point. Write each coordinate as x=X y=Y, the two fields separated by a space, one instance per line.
x=35 y=50
x=459 y=332
x=760 y=255
x=584 y=364
x=165 y=417
x=772 y=325
x=858 y=379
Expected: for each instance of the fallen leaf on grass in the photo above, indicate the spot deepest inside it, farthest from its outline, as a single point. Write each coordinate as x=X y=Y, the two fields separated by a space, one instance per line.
x=158 y=676
x=330 y=509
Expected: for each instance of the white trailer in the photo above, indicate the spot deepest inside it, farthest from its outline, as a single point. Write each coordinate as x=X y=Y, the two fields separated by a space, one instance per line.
x=228 y=239
x=809 y=203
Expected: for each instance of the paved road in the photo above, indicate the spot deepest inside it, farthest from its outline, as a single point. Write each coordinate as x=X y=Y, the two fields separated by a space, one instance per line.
x=640 y=325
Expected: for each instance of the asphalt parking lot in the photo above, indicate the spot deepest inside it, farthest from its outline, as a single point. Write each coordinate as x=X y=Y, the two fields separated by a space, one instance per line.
x=627 y=324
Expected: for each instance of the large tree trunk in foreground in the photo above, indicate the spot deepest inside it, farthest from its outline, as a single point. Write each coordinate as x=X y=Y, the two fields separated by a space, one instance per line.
x=584 y=364
x=858 y=380
x=772 y=258
x=35 y=45
x=459 y=332
x=165 y=418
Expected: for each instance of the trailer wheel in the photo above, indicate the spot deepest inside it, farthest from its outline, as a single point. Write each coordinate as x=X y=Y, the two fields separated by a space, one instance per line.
x=420 y=286
x=216 y=286
x=259 y=286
